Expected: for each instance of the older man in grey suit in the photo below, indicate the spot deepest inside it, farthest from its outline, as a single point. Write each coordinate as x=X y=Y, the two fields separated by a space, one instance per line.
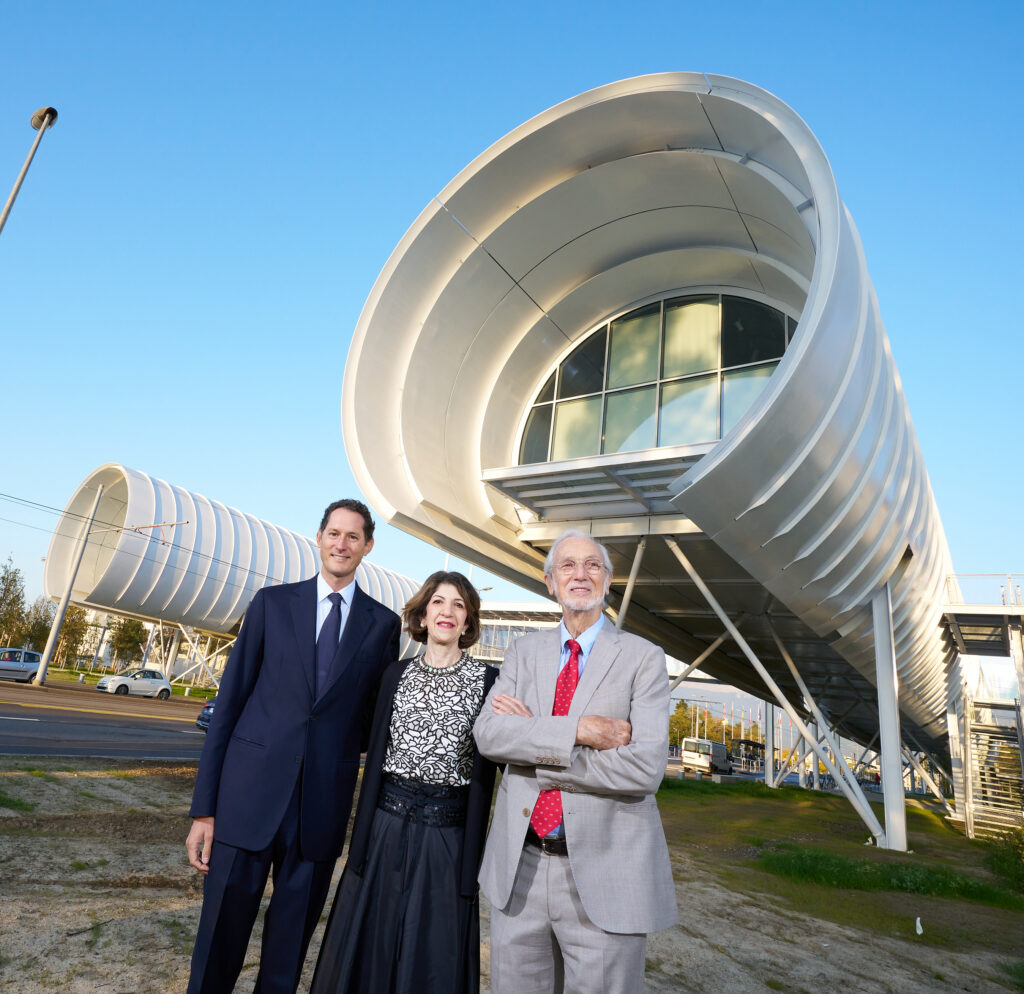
x=576 y=867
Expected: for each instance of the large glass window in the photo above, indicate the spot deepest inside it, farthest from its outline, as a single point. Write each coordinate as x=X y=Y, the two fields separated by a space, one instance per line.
x=691 y=336
x=631 y=420
x=740 y=389
x=689 y=411
x=583 y=371
x=577 y=428
x=679 y=372
x=633 y=353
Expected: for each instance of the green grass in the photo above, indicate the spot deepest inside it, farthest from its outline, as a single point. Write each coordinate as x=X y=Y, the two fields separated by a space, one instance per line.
x=41 y=774
x=831 y=870
x=14 y=803
x=1015 y=971
x=713 y=827
x=1005 y=858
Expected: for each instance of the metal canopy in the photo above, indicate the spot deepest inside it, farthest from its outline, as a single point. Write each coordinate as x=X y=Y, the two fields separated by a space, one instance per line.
x=808 y=508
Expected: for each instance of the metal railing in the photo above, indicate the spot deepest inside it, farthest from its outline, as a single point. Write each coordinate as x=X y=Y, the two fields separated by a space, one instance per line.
x=984 y=588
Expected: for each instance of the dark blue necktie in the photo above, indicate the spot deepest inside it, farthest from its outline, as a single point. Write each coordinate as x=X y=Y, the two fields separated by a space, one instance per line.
x=327 y=643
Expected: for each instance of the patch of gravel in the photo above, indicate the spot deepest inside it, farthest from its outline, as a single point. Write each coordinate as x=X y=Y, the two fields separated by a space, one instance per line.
x=96 y=896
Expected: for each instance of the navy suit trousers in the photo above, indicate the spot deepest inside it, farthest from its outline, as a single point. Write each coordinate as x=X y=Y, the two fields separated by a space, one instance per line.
x=232 y=893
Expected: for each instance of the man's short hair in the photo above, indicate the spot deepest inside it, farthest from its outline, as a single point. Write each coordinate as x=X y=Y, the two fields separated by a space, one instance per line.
x=549 y=562
x=350 y=504
x=412 y=614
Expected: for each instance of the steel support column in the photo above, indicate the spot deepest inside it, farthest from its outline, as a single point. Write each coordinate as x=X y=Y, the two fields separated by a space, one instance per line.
x=58 y=618
x=856 y=795
x=769 y=744
x=868 y=816
x=887 y=683
x=631 y=582
x=928 y=781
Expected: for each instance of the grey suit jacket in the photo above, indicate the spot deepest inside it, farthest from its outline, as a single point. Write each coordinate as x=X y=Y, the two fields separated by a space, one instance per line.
x=616 y=843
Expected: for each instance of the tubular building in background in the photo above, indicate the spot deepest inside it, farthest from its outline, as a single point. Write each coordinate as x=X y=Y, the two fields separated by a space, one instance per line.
x=646 y=313
x=164 y=554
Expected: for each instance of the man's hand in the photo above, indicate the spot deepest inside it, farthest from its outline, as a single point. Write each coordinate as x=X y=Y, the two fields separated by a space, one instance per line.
x=199 y=843
x=507 y=704
x=603 y=733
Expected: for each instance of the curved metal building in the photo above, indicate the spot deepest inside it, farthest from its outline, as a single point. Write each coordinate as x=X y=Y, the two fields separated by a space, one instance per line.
x=646 y=313
x=160 y=552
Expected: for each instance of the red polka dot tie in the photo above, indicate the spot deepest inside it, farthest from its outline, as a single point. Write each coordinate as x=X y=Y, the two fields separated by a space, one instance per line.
x=547 y=812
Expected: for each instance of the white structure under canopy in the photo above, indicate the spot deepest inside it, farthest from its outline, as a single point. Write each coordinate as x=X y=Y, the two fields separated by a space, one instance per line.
x=646 y=313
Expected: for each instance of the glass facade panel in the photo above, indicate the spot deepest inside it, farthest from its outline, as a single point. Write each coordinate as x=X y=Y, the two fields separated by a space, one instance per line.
x=689 y=378
x=583 y=371
x=691 y=336
x=689 y=411
x=739 y=390
x=751 y=332
x=577 y=428
x=631 y=419
x=536 y=436
x=633 y=355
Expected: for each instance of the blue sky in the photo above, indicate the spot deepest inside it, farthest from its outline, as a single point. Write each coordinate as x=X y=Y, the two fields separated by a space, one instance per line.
x=181 y=274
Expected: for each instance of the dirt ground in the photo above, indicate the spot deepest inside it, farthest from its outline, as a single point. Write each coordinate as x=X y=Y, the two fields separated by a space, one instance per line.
x=96 y=895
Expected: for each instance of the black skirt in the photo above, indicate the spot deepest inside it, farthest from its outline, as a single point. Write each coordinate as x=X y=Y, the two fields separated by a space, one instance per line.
x=400 y=926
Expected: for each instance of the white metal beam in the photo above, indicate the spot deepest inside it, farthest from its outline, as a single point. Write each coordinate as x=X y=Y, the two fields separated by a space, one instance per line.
x=861 y=803
x=887 y=682
x=872 y=822
x=628 y=594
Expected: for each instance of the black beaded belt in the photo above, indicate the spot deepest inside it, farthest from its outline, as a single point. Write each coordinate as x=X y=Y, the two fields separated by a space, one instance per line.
x=551 y=846
x=437 y=805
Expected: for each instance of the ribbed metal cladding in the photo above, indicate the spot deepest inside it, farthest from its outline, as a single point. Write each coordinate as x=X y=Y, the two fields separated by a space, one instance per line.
x=202 y=572
x=821 y=492
x=667 y=184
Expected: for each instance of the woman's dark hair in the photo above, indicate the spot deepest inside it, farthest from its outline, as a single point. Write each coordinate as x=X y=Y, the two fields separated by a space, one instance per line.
x=416 y=609
x=350 y=504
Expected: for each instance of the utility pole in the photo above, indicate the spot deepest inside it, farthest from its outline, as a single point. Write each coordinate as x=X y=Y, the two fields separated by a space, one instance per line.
x=58 y=618
x=41 y=120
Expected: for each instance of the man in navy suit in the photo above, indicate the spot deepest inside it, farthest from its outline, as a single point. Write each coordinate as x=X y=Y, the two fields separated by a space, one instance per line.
x=279 y=765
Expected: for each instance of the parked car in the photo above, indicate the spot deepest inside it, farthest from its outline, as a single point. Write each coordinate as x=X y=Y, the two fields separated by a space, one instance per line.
x=203 y=721
x=19 y=664
x=147 y=683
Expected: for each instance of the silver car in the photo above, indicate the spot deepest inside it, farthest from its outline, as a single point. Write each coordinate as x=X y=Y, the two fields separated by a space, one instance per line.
x=19 y=664
x=147 y=683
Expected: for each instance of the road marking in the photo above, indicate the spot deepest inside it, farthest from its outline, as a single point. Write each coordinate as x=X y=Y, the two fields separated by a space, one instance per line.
x=6 y=717
x=116 y=714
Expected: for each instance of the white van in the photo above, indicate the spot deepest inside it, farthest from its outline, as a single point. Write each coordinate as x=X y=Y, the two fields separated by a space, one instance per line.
x=705 y=756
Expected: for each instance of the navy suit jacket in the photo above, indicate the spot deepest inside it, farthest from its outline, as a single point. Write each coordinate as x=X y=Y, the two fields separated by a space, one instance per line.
x=267 y=729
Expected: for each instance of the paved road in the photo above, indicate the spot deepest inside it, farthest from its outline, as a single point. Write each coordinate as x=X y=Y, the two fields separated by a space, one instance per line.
x=71 y=720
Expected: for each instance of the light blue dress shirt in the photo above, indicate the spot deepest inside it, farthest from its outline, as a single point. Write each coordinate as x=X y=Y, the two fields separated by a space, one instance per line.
x=586 y=641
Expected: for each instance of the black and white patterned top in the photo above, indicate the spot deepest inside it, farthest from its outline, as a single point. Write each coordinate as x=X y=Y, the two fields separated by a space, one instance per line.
x=431 y=733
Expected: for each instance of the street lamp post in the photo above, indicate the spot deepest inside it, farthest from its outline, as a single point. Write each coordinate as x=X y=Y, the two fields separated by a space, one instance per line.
x=41 y=120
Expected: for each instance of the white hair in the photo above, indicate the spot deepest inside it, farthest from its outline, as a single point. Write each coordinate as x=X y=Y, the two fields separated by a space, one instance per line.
x=549 y=562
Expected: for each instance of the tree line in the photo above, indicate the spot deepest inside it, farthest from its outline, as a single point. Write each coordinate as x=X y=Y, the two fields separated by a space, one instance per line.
x=27 y=626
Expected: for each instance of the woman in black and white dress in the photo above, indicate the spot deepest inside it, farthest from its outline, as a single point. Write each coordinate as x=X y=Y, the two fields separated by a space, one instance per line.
x=405 y=917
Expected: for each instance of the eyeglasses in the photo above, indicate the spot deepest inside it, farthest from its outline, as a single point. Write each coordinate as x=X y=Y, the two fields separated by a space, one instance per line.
x=592 y=566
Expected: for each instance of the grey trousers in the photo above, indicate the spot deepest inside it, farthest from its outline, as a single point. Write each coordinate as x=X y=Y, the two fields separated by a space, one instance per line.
x=543 y=942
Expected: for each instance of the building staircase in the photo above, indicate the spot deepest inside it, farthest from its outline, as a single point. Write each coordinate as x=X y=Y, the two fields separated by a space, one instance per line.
x=993 y=758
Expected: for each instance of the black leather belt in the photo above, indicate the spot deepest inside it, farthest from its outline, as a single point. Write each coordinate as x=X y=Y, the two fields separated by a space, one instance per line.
x=549 y=845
